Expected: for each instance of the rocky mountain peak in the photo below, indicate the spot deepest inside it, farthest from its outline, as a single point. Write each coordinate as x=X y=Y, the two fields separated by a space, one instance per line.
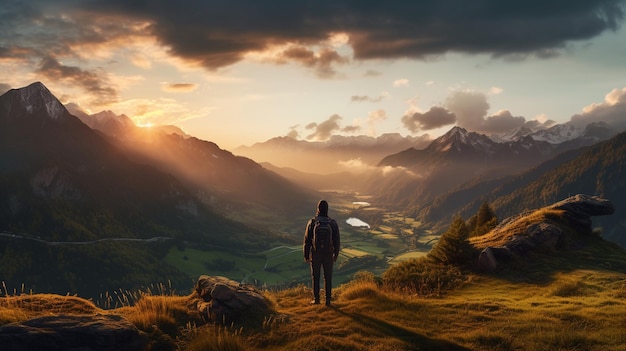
x=458 y=140
x=34 y=100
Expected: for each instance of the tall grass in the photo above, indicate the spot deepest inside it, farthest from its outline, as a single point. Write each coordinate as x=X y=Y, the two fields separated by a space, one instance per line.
x=214 y=338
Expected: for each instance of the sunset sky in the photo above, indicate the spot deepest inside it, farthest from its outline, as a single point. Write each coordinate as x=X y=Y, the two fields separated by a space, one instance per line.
x=239 y=72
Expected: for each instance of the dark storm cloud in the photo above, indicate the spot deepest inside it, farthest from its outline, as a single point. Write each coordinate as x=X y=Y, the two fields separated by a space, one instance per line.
x=434 y=118
x=215 y=34
x=218 y=33
x=42 y=34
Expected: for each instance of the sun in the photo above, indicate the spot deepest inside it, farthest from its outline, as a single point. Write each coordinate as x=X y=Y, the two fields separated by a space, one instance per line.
x=145 y=125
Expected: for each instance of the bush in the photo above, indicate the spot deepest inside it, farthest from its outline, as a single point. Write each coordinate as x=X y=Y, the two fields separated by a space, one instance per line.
x=423 y=276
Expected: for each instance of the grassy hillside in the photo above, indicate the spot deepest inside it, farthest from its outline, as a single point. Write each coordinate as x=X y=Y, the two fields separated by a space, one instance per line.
x=579 y=309
x=571 y=299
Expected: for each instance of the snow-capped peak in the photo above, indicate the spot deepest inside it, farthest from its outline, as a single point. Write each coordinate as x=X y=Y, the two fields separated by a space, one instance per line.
x=558 y=134
x=512 y=135
x=459 y=139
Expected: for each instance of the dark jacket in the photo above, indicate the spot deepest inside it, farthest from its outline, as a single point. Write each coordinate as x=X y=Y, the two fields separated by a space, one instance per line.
x=308 y=238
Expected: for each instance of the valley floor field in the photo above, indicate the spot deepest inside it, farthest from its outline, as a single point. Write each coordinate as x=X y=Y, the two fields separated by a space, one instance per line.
x=390 y=238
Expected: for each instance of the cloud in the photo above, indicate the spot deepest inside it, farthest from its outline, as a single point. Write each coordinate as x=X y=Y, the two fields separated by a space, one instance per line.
x=495 y=90
x=611 y=111
x=58 y=35
x=502 y=122
x=470 y=109
x=356 y=164
x=159 y=111
x=376 y=116
x=401 y=83
x=293 y=134
x=321 y=62
x=434 y=118
x=372 y=73
x=94 y=82
x=324 y=130
x=363 y=98
x=178 y=87
x=541 y=122
x=218 y=34
x=351 y=129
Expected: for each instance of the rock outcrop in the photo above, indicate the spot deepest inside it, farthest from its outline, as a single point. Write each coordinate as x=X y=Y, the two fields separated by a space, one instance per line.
x=577 y=213
x=223 y=300
x=68 y=332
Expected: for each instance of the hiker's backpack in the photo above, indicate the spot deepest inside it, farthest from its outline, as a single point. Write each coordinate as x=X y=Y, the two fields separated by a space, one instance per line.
x=322 y=235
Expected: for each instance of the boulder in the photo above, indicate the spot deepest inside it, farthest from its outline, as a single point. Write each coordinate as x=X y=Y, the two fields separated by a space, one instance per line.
x=537 y=236
x=67 y=332
x=486 y=260
x=223 y=300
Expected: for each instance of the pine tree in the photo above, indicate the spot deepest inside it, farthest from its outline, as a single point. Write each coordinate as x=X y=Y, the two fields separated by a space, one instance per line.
x=453 y=246
x=483 y=221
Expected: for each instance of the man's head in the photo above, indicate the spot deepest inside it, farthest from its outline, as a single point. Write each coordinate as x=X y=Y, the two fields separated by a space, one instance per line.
x=322 y=208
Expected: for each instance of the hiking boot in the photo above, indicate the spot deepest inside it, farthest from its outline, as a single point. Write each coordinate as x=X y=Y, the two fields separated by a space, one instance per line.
x=314 y=302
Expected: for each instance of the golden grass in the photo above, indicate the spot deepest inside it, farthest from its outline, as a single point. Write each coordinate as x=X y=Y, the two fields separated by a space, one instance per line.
x=214 y=338
x=22 y=307
x=581 y=309
x=163 y=312
x=501 y=236
x=568 y=300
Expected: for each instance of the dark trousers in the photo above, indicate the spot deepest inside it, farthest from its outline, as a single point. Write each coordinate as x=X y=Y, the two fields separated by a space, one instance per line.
x=319 y=262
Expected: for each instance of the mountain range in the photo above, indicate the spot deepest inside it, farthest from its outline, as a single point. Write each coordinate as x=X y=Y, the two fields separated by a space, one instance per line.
x=70 y=176
x=64 y=182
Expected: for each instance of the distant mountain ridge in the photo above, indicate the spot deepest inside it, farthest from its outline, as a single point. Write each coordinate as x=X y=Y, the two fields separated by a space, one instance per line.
x=599 y=169
x=523 y=146
x=337 y=154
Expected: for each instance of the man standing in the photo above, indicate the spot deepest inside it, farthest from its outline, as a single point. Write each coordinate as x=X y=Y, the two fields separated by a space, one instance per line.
x=321 y=249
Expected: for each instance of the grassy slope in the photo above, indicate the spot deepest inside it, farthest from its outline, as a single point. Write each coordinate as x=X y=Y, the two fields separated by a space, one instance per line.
x=572 y=299
x=578 y=308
